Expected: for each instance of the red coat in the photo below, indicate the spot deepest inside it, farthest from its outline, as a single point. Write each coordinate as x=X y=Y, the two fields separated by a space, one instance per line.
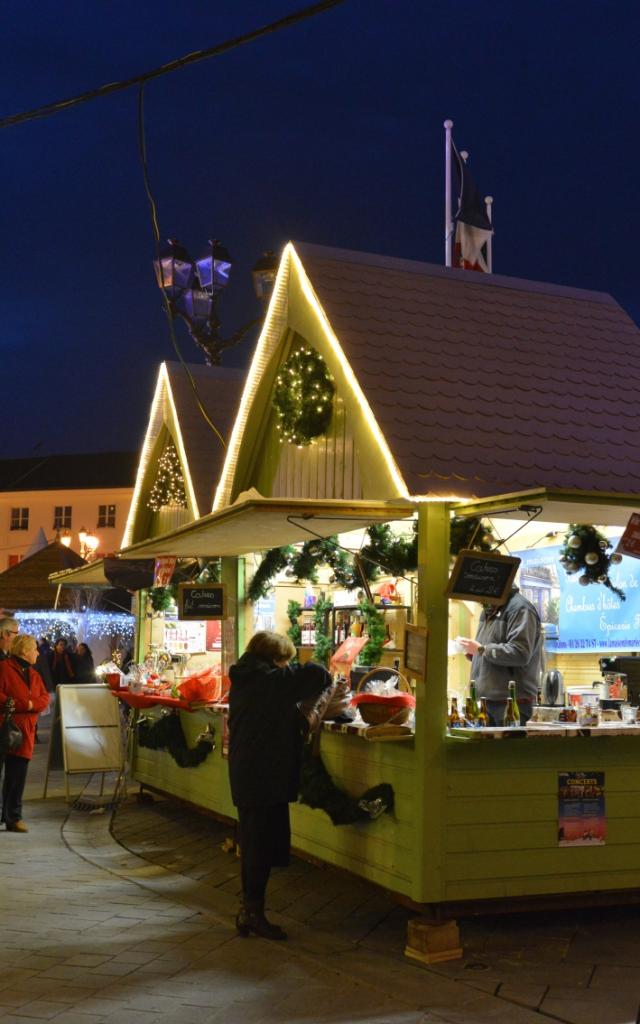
x=13 y=684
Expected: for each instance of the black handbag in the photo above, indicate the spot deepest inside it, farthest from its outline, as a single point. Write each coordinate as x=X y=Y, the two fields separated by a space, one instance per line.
x=10 y=734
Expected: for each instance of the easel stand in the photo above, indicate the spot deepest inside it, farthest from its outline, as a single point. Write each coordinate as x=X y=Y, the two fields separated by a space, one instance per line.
x=86 y=735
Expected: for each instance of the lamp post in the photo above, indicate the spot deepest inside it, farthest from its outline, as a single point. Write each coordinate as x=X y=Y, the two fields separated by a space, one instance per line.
x=89 y=544
x=192 y=288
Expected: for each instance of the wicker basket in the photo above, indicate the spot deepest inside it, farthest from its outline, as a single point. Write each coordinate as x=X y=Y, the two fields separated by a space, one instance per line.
x=379 y=713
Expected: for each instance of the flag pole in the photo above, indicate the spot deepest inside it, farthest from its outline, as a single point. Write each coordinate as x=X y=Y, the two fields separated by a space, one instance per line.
x=488 y=203
x=448 y=226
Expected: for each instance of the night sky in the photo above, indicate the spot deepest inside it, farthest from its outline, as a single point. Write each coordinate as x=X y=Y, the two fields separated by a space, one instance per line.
x=329 y=132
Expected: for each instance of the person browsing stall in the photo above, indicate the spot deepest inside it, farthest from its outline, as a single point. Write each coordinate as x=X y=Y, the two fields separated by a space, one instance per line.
x=508 y=646
x=20 y=682
x=267 y=731
x=8 y=629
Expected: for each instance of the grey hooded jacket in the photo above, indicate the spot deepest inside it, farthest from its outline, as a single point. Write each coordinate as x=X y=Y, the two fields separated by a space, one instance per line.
x=512 y=640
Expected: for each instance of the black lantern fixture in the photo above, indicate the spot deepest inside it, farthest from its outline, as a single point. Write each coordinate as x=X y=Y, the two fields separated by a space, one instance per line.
x=192 y=288
x=264 y=275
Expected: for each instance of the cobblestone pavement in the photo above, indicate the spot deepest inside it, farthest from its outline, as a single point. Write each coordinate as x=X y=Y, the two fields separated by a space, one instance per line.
x=140 y=930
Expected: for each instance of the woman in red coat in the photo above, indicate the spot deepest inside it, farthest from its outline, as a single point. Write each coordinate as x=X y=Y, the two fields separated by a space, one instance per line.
x=20 y=682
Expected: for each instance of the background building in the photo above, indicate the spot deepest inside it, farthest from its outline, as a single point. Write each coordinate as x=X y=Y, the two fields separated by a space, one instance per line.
x=62 y=494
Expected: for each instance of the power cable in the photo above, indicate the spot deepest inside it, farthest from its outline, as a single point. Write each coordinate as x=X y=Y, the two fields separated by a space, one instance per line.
x=174 y=65
x=142 y=146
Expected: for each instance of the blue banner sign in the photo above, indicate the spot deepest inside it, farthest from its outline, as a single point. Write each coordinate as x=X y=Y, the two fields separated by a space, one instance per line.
x=582 y=619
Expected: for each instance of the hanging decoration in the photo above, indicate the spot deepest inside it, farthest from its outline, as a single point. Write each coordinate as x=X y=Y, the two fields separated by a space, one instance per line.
x=588 y=551
x=318 y=790
x=470 y=533
x=303 y=397
x=385 y=551
x=294 y=610
x=376 y=632
x=324 y=647
x=165 y=733
x=102 y=625
x=162 y=598
x=168 y=489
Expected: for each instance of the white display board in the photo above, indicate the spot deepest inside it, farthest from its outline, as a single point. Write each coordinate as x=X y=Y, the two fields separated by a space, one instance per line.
x=90 y=728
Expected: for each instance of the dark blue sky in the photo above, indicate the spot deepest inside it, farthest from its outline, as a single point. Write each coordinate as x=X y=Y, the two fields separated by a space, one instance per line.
x=330 y=132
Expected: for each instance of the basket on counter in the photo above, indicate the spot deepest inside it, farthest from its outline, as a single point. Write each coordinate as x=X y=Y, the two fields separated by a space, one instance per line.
x=380 y=709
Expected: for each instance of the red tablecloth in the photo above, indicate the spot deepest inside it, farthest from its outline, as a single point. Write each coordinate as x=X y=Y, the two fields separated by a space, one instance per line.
x=150 y=700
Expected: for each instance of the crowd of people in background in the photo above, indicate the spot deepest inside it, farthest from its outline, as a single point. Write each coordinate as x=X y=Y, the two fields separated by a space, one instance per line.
x=30 y=671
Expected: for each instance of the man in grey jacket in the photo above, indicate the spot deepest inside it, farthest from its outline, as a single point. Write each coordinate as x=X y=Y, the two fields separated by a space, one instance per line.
x=508 y=646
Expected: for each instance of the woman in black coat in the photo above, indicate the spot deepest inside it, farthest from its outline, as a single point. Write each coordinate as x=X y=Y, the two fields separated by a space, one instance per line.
x=266 y=736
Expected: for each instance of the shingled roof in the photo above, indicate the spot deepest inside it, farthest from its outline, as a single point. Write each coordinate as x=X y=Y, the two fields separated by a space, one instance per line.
x=68 y=472
x=485 y=384
x=26 y=585
x=219 y=389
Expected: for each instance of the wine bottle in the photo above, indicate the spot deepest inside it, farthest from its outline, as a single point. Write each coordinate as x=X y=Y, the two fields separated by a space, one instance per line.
x=475 y=710
x=516 y=709
x=454 y=716
x=483 y=714
x=509 y=717
x=471 y=717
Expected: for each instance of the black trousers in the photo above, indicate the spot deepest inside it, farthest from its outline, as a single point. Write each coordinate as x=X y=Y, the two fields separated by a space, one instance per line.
x=15 y=776
x=265 y=838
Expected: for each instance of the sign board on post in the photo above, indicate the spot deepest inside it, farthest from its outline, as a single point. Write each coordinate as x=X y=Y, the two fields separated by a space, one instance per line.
x=202 y=601
x=482 y=576
x=415 y=651
x=163 y=570
x=629 y=543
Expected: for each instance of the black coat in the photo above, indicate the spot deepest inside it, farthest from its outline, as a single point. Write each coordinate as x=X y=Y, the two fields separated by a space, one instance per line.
x=266 y=730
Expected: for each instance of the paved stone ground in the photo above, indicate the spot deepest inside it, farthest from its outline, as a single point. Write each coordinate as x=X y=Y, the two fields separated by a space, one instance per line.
x=95 y=931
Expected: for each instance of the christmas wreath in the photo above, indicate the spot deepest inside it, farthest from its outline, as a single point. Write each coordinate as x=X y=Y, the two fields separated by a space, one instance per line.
x=165 y=733
x=303 y=397
x=588 y=551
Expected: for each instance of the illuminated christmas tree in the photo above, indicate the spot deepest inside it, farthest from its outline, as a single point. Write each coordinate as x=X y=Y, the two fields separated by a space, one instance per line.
x=168 y=489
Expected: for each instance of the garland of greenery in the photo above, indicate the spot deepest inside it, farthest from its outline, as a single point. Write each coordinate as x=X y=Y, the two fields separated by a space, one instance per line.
x=318 y=790
x=303 y=397
x=376 y=634
x=162 y=598
x=294 y=610
x=324 y=646
x=586 y=550
x=165 y=733
x=396 y=556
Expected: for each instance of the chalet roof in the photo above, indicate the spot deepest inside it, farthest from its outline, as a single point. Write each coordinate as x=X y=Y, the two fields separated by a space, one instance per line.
x=219 y=389
x=26 y=585
x=69 y=472
x=482 y=383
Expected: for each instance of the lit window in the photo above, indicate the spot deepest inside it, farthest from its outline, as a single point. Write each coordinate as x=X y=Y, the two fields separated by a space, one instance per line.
x=19 y=519
x=62 y=517
x=106 y=515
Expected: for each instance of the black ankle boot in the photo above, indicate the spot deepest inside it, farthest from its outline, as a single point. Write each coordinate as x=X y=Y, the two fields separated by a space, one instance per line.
x=251 y=919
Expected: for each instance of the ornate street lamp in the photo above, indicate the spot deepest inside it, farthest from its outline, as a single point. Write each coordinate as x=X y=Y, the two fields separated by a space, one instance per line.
x=192 y=289
x=89 y=544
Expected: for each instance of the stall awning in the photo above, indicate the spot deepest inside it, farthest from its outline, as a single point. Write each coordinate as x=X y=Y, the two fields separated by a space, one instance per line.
x=570 y=506
x=256 y=523
x=90 y=575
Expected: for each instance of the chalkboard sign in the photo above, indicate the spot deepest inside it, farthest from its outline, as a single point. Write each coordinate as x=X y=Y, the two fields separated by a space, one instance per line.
x=202 y=601
x=415 y=651
x=482 y=576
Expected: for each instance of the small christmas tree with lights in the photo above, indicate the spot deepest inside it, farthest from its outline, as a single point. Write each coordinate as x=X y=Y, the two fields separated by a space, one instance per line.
x=168 y=489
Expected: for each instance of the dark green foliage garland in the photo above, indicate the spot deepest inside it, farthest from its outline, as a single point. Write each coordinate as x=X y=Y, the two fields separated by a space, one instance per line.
x=586 y=550
x=303 y=397
x=376 y=633
x=396 y=556
x=162 y=597
x=273 y=562
x=469 y=533
x=318 y=790
x=324 y=646
x=294 y=609
x=165 y=733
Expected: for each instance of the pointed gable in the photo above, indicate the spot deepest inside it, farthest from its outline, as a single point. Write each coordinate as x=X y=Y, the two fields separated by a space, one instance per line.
x=176 y=415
